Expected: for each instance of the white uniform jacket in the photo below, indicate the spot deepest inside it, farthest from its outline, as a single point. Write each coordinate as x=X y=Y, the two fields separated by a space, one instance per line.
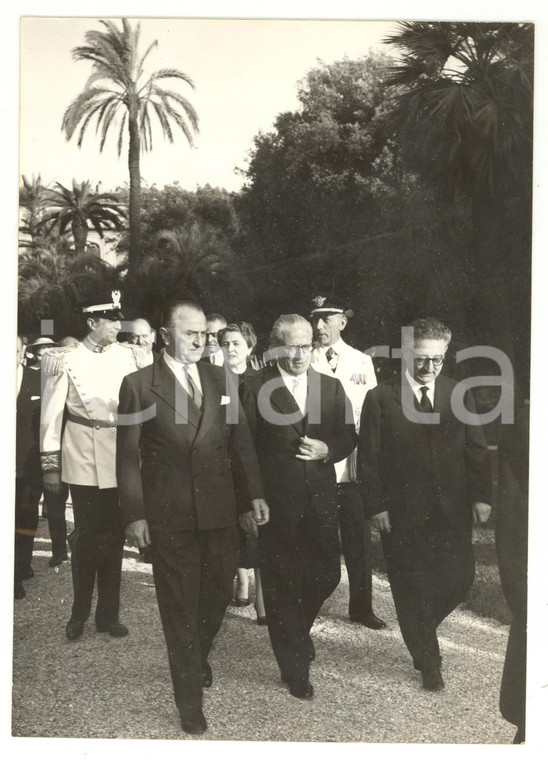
x=85 y=383
x=356 y=372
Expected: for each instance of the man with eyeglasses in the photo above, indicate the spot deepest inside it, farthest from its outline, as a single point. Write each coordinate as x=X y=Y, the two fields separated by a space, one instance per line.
x=302 y=425
x=332 y=356
x=212 y=351
x=425 y=478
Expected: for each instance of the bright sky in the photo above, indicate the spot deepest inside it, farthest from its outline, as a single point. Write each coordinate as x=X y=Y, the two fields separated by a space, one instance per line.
x=245 y=73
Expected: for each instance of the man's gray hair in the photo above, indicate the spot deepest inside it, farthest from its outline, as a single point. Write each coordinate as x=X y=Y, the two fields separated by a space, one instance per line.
x=283 y=324
x=430 y=328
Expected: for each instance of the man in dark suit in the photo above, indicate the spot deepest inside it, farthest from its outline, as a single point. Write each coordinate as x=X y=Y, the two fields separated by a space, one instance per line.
x=28 y=477
x=302 y=424
x=179 y=464
x=511 y=530
x=425 y=476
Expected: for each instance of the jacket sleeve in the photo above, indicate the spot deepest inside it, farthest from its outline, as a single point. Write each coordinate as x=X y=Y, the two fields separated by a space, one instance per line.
x=54 y=396
x=246 y=472
x=478 y=460
x=343 y=442
x=369 y=451
x=128 y=468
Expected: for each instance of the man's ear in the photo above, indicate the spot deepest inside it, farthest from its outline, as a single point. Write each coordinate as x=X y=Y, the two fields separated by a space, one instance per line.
x=90 y=322
x=344 y=321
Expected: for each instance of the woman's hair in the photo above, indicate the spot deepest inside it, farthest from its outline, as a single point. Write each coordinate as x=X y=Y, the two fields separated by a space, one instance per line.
x=244 y=328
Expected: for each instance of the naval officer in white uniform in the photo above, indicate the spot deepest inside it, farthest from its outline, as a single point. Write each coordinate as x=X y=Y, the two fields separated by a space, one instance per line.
x=80 y=387
x=332 y=356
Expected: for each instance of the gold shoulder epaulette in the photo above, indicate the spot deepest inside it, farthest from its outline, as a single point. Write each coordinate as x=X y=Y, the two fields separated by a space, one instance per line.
x=139 y=354
x=53 y=360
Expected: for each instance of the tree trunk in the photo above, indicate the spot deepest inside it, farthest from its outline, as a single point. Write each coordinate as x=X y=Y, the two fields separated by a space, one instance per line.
x=80 y=236
x=134 y=191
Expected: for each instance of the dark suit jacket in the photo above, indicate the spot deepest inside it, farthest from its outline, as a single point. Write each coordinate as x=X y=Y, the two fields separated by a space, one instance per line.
x=27 y=452
x=177 y=468
x=512 y=512
x=406 y=468
x=292 y=484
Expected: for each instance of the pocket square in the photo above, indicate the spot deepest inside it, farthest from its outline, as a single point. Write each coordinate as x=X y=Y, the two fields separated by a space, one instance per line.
x=34 y=398
x=225 y=400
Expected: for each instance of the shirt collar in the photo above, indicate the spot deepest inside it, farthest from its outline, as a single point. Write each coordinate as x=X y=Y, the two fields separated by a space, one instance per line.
x=178 y=366
x=338 y=347
x=416 y=385
x=97 y=348
x=288 y=378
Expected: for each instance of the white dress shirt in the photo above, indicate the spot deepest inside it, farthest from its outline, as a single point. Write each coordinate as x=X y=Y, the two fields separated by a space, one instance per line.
x=297 y=385
x=416 y=387
x=180 y=370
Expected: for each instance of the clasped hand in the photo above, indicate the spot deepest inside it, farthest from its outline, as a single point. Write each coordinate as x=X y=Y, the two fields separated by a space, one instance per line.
x=259 y=515
x=311 y=449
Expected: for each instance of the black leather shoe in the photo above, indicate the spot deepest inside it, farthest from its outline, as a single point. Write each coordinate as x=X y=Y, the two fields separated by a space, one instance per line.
x=369 y=620
x=18 y=590
x=57 y=560
x=431 y=678
x=301 y=689
x=27 y=574
x=74 y=629
x=207 y=676
x=242 y=602
x=311 y=650
x=114 y=629
x=193 y=720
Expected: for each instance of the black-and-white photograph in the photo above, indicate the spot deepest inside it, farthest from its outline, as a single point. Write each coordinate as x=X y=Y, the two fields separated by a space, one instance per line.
x=273 y=380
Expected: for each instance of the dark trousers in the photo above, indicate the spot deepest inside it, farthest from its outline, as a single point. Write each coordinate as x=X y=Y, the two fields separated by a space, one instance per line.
x=193 y=575
x=431 y=569
x=57 y=524
x=27 y=499
x=96 y=544
x=300 y=568
x=512 y=688
x=355 y=531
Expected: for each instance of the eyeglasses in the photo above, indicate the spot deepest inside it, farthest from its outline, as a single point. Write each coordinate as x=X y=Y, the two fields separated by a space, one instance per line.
x=420 y=361
x=293 y=350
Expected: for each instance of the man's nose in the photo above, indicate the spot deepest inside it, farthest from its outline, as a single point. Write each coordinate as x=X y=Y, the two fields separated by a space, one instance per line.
x=117 y=324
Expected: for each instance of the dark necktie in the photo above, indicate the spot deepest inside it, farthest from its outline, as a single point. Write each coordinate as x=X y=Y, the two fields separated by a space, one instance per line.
x=194 y=392
x=425 y=403
x=332 y=358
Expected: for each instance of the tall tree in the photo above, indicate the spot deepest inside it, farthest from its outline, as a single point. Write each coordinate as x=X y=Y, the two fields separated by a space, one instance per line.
x=79 y=209
x=466 y=119
x=329 y=172
x=54 y=285
x=31 y=196
x=117 y=93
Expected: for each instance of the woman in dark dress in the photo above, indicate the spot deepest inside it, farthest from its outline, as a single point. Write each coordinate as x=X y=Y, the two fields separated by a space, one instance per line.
x=237 y=341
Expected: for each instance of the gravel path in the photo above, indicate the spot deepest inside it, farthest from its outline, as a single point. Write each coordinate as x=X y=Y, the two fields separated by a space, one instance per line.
x=365 y=687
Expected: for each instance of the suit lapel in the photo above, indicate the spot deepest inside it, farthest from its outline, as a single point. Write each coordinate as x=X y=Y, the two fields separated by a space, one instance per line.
x=211 y=399
x=166 y=386
x=284 y=402
x=442 y=395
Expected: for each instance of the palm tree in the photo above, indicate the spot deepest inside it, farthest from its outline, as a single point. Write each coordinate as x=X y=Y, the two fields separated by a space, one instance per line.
x=116 y=90
x=54 y=285
x=194 y=262
x=78 y=209
x=31 y=195
x=466 y=122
